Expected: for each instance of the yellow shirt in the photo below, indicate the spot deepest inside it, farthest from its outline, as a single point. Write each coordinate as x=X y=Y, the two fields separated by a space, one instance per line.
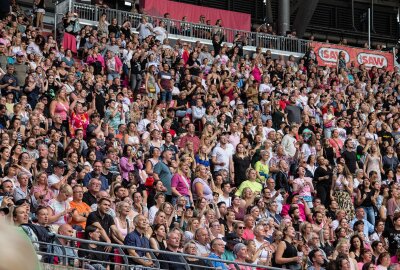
x=254 y=186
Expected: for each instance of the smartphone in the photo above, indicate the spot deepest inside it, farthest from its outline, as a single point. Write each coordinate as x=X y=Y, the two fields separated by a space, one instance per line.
x=297 y=236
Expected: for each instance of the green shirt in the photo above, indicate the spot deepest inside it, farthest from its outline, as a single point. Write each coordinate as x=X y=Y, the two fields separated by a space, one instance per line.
x=254 y=186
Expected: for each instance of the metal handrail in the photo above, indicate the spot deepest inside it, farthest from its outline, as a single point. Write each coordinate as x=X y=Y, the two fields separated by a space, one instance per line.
x=126 y=257
x=195 y=30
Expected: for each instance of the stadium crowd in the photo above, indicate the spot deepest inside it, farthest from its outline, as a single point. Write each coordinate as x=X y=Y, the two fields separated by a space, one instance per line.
x=128 y=138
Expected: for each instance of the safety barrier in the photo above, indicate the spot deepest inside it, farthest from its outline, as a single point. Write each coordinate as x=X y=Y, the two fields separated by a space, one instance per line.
x=64 y=255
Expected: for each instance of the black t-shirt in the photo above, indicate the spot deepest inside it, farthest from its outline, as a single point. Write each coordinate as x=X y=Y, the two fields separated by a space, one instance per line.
x=106 y=221
x=95 y=254
x=385 y=135
x=88 y=198
x=351 y=160
x=394 y=240
x=293 y=114
x=100 y=103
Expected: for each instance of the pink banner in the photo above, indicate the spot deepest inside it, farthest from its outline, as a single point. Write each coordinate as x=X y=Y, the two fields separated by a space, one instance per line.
x=230 y=19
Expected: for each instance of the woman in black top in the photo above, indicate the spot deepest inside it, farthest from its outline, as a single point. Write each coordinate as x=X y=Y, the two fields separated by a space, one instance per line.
x=157 y=240
x=278 y=114
x=322 y=178
x=193 y=64
x=114 y=28
x=286 y=253
x=241 y=162
x=328 y=152
x=365 y=193
x=89 y=253
x=356 y=248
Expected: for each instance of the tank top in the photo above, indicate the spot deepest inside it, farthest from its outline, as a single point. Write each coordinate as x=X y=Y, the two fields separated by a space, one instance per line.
x=289 y=252
x=123 y=231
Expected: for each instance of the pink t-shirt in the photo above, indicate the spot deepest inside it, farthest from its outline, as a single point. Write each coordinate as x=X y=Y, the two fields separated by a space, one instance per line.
x=303 y=188
x=181 y=184
x=286 y=207
x=248 y=234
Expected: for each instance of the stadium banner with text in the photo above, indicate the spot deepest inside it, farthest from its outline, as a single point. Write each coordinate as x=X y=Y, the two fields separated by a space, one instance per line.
x=327 y=54
x=230 y=19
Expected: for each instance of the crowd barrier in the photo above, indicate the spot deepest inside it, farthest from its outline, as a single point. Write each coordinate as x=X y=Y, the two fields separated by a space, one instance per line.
x=118 y=255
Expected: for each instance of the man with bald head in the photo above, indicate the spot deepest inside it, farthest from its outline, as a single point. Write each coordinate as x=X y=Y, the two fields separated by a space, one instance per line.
x=66 y=249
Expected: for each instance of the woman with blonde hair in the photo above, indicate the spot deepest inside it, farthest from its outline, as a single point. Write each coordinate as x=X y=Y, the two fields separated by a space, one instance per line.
x=203 y=184
x=306 y=230
x=41 y=191
x=121 y=220
x=373 y=162
x=343 y=248
x=180 y=183
x=251 y=183
x=192 y=225
x=169 y=211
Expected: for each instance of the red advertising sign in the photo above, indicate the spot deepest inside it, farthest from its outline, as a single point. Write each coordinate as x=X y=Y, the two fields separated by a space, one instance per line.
x=327 y=55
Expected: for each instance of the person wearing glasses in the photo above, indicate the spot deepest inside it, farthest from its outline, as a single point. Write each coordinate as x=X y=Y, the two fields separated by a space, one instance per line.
x=217 y=250
x=82 y=210
x=195 y=264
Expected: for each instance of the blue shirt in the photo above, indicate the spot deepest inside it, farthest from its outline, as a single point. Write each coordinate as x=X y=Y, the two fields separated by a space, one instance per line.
x=368 y=227
x=104 y=181
x=215 y=263
x=136 y=239
x=165 y=175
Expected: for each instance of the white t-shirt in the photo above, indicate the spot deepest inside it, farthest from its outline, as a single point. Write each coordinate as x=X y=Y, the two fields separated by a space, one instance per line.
x=227 y=201
x=152 y=213
x=265 y=88
x=59 y=207
x=223 y=155
x=288 y=143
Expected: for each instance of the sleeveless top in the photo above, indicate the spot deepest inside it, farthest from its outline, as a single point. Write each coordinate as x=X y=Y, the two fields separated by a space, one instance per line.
x=339 y=185
x=161 y=244
x=123 y=231
x=289 y=252
x=207 y=192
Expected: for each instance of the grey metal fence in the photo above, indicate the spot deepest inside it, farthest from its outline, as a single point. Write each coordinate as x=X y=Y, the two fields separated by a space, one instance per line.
x=195 y=30
x=56 y=253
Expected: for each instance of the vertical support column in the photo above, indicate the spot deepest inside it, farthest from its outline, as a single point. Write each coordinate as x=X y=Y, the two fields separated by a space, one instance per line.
x=284 y=17
x=268 y=12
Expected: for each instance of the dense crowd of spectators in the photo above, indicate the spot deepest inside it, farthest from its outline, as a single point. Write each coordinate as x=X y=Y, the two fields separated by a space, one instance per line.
x=211 y=151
